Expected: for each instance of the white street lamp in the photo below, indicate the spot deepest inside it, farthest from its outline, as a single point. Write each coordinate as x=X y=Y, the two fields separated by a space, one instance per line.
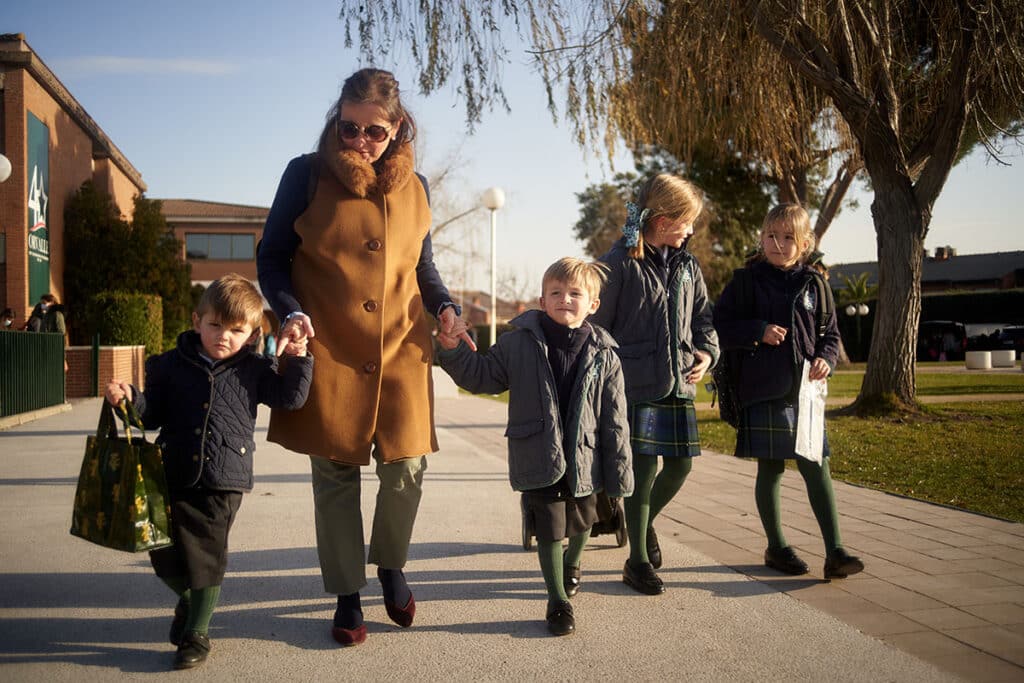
x=493 y=199
x=5 y=168
x=859 y=310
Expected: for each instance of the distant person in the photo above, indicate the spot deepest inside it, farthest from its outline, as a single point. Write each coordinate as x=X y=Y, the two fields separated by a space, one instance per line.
x=347 y=247
x=35 y=318
x=214 y=379
x=777 y=331
x=7 y=319
x=655 y=304
x=270 y=345
x=53 y=315
x=539 y=363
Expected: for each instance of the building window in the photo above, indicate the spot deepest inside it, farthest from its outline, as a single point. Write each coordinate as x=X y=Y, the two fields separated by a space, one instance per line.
x=220 y=247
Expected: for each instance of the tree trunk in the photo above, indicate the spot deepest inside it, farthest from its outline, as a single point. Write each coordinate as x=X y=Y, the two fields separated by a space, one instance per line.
x=890 y=382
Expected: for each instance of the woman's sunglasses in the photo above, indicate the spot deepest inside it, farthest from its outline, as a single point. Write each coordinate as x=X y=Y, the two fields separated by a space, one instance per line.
x=350 y=131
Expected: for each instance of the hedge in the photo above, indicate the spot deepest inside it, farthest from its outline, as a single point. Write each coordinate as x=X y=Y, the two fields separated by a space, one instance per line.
x=127 y=319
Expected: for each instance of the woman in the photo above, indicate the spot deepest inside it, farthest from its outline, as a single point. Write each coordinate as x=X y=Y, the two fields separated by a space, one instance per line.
x=347 y=247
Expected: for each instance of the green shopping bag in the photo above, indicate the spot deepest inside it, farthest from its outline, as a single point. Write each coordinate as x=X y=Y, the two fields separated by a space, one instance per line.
x=121 y=501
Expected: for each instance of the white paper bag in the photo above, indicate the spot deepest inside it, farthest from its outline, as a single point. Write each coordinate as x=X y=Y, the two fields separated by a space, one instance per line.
x=810 y=416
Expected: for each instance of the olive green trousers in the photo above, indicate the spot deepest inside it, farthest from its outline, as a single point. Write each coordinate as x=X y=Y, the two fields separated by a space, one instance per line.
x=339 y=519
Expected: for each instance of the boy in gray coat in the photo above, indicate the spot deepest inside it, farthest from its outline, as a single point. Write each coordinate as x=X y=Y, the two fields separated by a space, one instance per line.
x=568 y=434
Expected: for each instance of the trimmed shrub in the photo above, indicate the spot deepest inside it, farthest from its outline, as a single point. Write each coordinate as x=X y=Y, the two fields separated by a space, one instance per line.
x=127 y=319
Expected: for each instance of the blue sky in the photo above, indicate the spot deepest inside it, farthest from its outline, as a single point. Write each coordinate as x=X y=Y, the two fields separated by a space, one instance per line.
x=209 y=100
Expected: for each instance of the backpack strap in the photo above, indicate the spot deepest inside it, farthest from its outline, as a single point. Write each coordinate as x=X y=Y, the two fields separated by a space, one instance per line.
x=826 y=303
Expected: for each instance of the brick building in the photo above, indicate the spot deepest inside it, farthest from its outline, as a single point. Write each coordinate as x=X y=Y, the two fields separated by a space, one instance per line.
x=216 y=238
x=53 y=146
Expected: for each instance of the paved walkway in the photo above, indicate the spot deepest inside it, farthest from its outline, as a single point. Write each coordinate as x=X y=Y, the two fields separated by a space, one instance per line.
x=940 y=583
x=942 y=597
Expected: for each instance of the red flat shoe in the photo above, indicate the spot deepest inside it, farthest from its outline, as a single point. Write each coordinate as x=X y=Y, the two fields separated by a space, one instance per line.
x=402 y=615
x=349 y=636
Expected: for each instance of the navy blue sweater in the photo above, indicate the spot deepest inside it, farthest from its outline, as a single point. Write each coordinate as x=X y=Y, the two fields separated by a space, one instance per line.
x=787 y=298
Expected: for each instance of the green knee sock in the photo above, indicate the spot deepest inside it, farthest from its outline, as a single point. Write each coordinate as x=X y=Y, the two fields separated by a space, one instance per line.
x=200 y=608
x=818 y=479
x=638 y=506
x=668 y=482
x=574 y=553
x=766 y=495
x=550 y=556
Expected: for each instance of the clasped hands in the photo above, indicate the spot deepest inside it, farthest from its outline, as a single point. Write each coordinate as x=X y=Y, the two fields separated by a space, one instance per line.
x=296 y=332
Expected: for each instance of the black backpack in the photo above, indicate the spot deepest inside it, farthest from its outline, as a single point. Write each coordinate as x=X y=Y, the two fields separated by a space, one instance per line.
x=725 y=375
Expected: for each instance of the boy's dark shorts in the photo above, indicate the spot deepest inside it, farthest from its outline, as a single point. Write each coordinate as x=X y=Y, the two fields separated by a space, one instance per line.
x=557 y=515
x=200 y=522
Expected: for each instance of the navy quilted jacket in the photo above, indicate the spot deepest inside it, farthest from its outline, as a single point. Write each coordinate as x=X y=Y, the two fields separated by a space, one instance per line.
x=207 y=416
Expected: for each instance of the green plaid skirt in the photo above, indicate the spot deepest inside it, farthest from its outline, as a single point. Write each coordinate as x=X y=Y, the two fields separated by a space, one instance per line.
x=768 y=430
x=667 y=427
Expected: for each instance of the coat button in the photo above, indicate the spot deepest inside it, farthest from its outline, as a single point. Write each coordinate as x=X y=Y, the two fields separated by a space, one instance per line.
x=374 y=245
x=198 y=431
x=243 y=449
x=205 y=406
x=370 y=306
x=195 y=458
x=370 y=367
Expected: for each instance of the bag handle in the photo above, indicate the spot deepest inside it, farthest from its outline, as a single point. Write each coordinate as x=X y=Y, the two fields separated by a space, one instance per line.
x=107 y=427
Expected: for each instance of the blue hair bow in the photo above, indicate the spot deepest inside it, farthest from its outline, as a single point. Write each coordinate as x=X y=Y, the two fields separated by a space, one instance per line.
x=634 y=223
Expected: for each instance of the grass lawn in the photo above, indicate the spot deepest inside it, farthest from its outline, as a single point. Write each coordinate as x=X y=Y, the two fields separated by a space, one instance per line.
x=968 y=455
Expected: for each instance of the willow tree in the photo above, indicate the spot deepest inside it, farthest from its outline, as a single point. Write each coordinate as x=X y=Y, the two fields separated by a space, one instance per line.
x=896 y=83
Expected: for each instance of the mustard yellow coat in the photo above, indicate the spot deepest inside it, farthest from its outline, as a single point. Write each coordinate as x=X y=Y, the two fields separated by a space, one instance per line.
x=354 y=273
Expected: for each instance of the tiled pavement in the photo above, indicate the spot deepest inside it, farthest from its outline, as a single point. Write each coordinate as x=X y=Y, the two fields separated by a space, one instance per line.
x=942 y=584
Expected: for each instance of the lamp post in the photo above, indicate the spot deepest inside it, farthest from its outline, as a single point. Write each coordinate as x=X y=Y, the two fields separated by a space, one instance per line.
x=493 y=199
x=859 y=310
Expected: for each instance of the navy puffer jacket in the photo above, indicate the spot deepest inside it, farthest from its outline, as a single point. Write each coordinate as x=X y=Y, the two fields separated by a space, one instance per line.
x=207 y=416
x=789 y=299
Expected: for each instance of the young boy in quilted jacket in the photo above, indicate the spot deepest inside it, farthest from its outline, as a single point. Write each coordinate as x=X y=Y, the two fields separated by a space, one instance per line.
x=202 y=396
x=572 y=443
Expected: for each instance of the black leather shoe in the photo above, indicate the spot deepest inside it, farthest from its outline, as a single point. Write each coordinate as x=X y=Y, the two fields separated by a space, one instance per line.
x=193 y=650
x=653 y=549
x=177 y=633
x=642 y=578
x=785 y=561
x=570 y=578
x=839 y=564
x=560 y=619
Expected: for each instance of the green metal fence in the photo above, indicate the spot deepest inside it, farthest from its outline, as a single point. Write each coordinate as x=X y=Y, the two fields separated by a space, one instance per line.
x=31 y=371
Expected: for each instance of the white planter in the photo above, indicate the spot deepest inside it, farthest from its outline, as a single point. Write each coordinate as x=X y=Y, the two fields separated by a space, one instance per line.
x=1004 y=358
x=979 y=360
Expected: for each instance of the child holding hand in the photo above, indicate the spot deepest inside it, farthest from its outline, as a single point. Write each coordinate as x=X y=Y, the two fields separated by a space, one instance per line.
x=572 y=443
x=202 y=396
x=772 y=330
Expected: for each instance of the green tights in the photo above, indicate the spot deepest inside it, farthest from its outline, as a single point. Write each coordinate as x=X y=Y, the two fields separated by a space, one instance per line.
x=550 y=555
x=818 y=480
x=201 y=602
x=652 y=490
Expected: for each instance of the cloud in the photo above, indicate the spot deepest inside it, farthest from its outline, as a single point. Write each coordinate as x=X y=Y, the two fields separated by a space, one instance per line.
x=99 y=65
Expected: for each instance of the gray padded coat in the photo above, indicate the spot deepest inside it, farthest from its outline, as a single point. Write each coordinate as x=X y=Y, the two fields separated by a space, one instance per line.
x=659 y=314
x=596 y=438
